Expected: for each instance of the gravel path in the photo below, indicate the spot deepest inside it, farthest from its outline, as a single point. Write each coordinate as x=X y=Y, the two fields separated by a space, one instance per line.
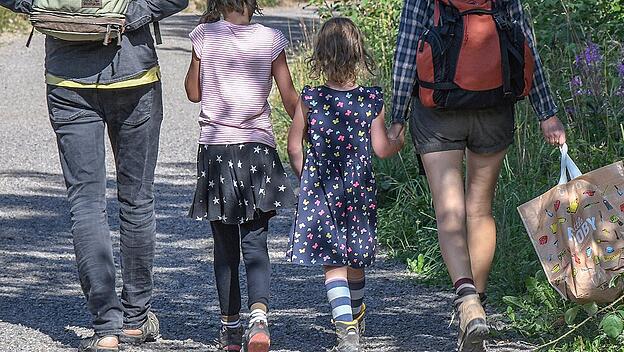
x=41 y=305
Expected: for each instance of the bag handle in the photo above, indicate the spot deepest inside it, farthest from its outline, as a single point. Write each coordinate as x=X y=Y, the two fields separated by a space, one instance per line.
x=568 y=166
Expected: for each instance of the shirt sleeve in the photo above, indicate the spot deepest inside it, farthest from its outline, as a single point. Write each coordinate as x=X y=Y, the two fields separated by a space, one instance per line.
x=415 y=17
x=20 y=6
x=142 y=12
x=279 y=44
x=540 y=96
x=378 y=97
x=197 y=39
x=308 y=97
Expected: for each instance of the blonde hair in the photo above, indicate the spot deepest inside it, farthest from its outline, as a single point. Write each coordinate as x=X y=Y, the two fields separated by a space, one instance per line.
x=339 y=52
x=216 y=8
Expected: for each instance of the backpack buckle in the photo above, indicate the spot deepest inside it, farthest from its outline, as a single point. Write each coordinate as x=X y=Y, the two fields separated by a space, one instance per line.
x=112 y=30
x=502 y=21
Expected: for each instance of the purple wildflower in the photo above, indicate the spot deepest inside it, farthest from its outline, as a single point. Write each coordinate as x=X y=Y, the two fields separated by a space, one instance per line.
x=577 y=86
x=570 y=110
x=591 y=56
x=621 y=70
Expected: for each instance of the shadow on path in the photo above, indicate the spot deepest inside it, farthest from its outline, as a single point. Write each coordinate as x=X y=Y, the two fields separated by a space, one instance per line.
x=39 y=285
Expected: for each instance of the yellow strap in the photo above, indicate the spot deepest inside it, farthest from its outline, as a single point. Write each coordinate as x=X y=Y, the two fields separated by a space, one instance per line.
x=150 y=76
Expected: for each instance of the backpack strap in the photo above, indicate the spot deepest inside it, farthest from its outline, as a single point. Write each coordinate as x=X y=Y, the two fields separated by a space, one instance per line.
x=507 y=91
x=157 y=34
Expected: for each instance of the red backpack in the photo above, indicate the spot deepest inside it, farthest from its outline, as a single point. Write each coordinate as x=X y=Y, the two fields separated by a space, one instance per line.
x=473 y=57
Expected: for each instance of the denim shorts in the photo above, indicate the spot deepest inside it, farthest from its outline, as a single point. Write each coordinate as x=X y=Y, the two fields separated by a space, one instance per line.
x=481 y=131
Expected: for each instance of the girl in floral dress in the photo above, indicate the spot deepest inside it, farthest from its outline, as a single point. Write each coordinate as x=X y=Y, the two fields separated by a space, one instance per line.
x=342 y=123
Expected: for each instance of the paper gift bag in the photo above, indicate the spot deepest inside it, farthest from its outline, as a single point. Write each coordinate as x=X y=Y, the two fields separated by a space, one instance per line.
x=577 y=229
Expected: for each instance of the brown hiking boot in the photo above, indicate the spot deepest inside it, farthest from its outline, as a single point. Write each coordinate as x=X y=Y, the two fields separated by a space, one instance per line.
x=473 y=328
x=348 y=337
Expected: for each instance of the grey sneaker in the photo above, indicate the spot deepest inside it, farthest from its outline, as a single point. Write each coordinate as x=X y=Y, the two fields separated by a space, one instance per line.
x=473 y=329
x=348 y=337
x=258 y=338
x=150 y=331
x=230 y=339
x=90 y=344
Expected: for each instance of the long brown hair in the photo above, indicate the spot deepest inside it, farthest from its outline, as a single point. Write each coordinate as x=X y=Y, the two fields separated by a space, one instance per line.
x=217 y=8
x=339 y=52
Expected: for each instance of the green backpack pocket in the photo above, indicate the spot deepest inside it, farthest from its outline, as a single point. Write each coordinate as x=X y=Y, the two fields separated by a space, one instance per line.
x=80 y=20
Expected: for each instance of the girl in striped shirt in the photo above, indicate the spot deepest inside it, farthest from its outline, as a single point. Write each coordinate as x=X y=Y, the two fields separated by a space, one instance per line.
x=240 y=179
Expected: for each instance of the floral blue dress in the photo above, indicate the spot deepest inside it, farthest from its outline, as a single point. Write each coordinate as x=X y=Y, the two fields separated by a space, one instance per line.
x=337 y=209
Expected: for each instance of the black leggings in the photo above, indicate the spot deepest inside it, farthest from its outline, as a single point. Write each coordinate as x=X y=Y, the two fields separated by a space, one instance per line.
x=251 y=237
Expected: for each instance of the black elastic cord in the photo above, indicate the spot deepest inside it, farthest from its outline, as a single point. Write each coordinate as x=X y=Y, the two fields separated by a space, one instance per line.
x=157 y=33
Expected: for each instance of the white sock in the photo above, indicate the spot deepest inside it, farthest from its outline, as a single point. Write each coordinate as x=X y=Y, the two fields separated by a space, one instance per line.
x=231 y=324
x=257 y=315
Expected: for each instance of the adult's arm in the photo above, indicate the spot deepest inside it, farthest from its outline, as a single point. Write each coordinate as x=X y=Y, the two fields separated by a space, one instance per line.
x=21 y=6
x=142 y=12
x=415 y=17
x=540 y=96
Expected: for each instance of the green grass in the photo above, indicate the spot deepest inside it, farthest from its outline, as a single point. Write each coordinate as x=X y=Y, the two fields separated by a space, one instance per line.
x=11 y=22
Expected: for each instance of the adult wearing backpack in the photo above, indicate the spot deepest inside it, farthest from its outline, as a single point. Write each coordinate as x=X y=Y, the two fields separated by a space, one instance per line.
x=97 y=87
x=463 y=64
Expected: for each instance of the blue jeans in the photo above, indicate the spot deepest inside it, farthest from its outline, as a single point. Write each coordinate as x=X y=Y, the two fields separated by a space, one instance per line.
x=132 y=118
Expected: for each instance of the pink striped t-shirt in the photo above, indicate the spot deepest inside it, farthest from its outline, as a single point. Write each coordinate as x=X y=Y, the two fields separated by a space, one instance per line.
x=236 y=81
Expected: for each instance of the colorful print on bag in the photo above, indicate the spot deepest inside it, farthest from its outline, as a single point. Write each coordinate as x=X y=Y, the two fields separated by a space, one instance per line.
x=580 y=246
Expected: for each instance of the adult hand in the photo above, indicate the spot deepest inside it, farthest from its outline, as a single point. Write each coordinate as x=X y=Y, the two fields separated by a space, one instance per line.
x=553 y=131
x=396 y=131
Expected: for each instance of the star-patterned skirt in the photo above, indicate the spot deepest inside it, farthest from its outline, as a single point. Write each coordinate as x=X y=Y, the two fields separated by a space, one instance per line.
x=236 y=181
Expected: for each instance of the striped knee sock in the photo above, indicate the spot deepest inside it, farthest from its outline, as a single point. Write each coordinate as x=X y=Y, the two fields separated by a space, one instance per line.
x=356 y=289
x=465 y=287
x=340 y=299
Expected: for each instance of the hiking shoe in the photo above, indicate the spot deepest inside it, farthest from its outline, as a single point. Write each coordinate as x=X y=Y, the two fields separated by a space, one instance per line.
x=348 y=337
x=230 y=339
x=150 y=330
x=91 y=344
x=258 y=338
x=361 y=320
x=472 y=325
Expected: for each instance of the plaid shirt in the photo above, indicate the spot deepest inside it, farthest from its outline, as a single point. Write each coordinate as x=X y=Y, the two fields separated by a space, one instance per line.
x=417 y=15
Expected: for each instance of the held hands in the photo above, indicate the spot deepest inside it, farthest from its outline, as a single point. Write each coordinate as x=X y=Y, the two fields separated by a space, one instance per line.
x=553 y=131
x=396 y=134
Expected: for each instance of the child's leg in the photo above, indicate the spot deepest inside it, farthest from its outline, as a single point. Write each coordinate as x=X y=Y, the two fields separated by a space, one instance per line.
x=257 y=265
x=337 y=285
x=226 y=261
x=357 y=283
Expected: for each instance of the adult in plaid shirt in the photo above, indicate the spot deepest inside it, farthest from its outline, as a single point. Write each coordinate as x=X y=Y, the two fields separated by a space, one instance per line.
x=466 y=228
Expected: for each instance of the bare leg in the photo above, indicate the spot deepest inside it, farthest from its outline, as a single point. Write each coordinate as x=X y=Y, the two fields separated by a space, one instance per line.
x=336 y=272
x=444 y=173
x=482 y=173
